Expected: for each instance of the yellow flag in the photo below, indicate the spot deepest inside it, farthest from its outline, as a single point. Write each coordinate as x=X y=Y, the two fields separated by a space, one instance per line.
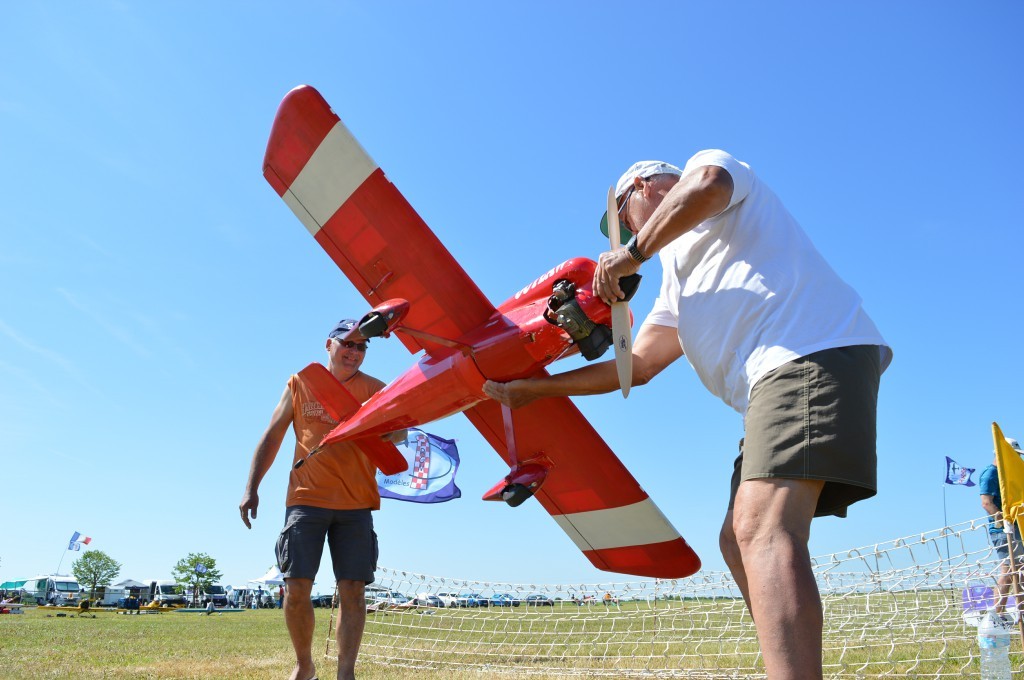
x=1011 y=477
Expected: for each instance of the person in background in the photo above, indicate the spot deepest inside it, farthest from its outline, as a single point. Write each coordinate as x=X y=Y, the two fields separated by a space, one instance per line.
x=330 y=499
x=992 y=502
x=770 y=329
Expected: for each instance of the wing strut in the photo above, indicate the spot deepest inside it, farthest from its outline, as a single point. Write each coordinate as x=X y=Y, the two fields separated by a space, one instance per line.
x=523 y=480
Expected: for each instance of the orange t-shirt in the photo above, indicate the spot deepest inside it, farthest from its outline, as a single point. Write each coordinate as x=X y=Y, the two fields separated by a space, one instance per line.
x=340 y=477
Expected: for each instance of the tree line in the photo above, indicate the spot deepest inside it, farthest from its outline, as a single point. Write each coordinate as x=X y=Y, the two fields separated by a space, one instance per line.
x=194 y=572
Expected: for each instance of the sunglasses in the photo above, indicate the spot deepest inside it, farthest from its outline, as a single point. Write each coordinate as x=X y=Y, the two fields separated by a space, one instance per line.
x=348 y=344
x=625 y=200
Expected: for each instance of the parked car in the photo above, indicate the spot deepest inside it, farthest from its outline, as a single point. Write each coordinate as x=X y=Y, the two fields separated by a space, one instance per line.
x=428 y=600
x=388 y=597
x=324 y=601
x=539 y=601
x=502 y=600
x=449 y=599
x=471 y=600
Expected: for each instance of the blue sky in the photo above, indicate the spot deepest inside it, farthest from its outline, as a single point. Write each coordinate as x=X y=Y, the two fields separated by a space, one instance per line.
x=156 y=293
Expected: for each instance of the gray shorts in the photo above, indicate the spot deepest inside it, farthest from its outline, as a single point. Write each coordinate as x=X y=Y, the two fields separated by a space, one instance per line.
x=1001 y=545
x=349 y=534
x=814 y=418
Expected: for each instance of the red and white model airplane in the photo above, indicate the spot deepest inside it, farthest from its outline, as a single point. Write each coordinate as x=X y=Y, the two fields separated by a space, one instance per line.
x=422 y=295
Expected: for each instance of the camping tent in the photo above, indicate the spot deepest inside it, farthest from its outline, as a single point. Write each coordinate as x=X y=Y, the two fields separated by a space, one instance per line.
x=129 y=583
x=271 y=578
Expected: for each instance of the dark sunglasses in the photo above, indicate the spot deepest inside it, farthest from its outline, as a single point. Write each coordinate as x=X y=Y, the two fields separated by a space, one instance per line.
x=348 y=344
x=622 y=205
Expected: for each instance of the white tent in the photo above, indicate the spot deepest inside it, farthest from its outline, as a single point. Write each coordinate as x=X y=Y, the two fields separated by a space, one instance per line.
x=129 y=583
x=271 y=578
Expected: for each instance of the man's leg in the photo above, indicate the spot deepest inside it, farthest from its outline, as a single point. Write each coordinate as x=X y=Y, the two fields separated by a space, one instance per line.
x=299 y=617
x=351 y=621
x=733 y=559
x=771 y=523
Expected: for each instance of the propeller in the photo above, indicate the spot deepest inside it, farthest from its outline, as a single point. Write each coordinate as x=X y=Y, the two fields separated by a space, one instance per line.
x=622 y=334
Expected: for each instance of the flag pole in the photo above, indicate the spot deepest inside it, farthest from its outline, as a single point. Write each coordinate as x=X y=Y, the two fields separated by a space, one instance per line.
x=945 y=520
x=62 y=555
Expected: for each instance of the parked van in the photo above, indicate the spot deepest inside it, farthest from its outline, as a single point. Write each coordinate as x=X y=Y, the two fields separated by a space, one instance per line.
x=237 y=596
x=214 y=592
x=165 y=593
x=243 y=597
x=51 y=589
x=107 y=596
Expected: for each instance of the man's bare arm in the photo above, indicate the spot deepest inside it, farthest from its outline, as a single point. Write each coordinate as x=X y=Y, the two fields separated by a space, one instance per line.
x=655 y=348
x=988 y=503
x=700 y=194
x=266 y=452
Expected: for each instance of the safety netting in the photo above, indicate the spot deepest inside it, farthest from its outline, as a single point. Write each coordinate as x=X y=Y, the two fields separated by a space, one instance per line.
x=904 y=608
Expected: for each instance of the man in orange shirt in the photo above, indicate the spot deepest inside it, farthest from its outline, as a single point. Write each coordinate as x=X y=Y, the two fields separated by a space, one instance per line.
x=329 y=498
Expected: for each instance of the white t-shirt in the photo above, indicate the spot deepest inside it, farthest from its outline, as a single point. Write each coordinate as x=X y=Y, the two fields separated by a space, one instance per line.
x=748 y=291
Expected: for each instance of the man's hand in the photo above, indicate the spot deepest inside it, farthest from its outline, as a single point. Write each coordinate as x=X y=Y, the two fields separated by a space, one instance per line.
x=512 y=394
x=250 y=501
x=612 y=266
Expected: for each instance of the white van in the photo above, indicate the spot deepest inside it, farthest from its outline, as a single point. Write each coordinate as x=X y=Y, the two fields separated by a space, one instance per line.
x=51 y=589
x=165 y=592
x=212 y=593
x=237 y=595
x=107 y=596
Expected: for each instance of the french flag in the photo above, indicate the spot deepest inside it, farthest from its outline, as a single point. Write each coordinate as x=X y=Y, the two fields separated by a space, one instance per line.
x=77 y=541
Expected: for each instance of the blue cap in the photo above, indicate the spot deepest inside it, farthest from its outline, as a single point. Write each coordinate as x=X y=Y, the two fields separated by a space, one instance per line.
x=342 y=327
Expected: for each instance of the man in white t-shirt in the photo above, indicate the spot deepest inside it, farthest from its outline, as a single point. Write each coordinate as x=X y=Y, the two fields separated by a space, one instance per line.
x=773 y=331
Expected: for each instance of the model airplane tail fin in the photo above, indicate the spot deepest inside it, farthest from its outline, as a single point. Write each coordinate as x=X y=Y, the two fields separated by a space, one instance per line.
x=340 y=404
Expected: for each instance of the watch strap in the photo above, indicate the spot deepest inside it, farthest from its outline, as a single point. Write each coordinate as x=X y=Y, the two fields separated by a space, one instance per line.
x=634 y=251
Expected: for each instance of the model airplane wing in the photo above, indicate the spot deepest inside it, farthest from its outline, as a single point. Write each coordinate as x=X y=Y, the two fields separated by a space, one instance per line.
x=589 y=492
x=364 y=224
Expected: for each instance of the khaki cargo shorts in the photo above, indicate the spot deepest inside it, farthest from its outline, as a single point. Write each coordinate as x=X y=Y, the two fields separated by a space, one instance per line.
x=814 y=418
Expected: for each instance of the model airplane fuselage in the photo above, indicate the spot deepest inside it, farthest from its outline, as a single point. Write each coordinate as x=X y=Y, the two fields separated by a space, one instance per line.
x=524 y=335
x=419 y=293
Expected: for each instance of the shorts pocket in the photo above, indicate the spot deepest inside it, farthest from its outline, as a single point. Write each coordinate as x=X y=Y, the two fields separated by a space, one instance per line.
x=281 y=551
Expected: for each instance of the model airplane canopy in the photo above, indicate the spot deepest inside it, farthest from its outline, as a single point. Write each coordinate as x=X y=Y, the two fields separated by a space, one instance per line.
x=392 y=258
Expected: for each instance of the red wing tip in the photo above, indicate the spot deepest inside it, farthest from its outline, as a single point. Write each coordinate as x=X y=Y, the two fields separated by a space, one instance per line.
x=667 y=560
x=303 y=119
x=302 y=92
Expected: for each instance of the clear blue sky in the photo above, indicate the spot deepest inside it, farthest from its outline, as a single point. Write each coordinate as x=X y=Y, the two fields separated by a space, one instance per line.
x=156 y=293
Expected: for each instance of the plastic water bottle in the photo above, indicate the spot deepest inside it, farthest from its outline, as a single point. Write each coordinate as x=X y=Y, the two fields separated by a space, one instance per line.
x=994 y=641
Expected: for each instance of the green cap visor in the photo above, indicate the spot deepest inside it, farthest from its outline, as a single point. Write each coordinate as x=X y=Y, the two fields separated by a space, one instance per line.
x=624 y=234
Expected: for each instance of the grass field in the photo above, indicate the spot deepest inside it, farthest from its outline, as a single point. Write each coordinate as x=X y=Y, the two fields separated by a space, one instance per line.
x=250 y=645
x=710 y=638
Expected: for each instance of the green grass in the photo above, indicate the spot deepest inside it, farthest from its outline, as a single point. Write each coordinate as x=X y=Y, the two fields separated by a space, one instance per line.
x=250 y=645
x=711 y=638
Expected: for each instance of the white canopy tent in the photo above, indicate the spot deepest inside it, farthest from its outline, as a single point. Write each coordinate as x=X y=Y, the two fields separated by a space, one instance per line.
x=129 y=583
x=271 y=578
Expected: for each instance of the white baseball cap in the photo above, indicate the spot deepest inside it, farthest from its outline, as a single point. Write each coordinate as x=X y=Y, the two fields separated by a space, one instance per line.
x=1014 y=445
x=643 y=170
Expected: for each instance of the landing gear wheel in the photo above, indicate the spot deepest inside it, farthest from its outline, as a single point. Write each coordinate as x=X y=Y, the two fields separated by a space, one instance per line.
x=515 y=494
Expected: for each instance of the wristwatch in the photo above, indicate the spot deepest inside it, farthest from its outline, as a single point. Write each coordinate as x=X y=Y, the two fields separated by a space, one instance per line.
x=634 y=252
